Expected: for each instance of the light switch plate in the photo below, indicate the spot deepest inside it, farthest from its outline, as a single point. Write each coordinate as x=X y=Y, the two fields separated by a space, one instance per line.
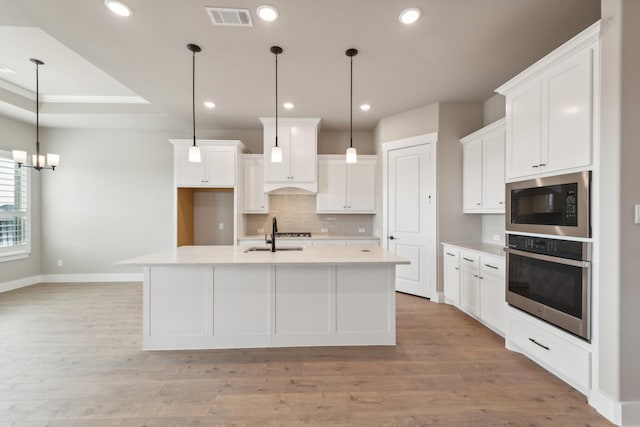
x=496 y=237
x=361 y=230
x=637 y=214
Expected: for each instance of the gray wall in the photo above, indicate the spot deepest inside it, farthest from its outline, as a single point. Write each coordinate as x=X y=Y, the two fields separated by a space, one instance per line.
x=110 y=199
x=16 y=135
x=493 y=109
x=452 y=121
x=619 y=346
x=336 y=142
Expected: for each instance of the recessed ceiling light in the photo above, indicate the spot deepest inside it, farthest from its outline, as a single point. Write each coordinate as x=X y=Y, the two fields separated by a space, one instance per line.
x=409 y=16
x=267 y=13
x=118 y=7
x=6 y=70
x=288 y=105
x=209 y=104
x=365 y=107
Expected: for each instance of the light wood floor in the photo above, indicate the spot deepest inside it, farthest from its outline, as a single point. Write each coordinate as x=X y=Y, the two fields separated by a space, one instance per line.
x=70 y=356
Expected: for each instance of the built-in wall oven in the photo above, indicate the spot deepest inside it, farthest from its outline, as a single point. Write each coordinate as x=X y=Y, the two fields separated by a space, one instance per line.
x=555 y=205
x=550 y=279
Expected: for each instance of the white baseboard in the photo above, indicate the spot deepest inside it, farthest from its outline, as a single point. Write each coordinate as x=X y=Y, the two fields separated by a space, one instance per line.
x=70 y=278
x=20 y=283
x=104 y=277
x=625 y=414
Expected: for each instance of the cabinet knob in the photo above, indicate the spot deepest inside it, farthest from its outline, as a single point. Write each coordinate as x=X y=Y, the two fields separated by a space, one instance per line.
x=477 y=204
x=543 y=164
x=501 y=203
x=535 y=166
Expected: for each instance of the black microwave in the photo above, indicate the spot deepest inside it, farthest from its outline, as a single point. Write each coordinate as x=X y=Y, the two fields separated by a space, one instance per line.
x=554 y=205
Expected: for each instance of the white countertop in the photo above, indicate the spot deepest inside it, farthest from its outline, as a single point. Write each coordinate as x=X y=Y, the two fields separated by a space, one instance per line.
x=324 y=254
x=488 y=248
x=314 y=236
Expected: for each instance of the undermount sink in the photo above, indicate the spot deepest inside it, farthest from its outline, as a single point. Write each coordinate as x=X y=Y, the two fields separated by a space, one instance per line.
x=267 y=249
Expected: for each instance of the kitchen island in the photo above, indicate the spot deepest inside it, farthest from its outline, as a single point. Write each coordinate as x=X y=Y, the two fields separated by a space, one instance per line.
x=206 y=297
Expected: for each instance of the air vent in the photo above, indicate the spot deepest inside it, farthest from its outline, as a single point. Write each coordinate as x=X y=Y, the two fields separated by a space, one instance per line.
x=232 y=17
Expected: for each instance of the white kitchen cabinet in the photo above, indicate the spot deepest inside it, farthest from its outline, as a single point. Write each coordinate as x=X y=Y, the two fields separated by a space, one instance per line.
x=255 y=199
x=493 y=305
x=469 y=283
x=451 y=257
x=474 y=281
x=217 y=168
x=550 y=110
x=346 y=188
x=483 y=170
x=298 y=139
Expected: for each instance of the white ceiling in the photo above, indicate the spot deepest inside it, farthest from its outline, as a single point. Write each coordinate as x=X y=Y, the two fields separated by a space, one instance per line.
x=105 y=70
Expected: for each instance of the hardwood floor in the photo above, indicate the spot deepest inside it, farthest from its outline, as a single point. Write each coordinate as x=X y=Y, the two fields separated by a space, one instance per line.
x=70 y=355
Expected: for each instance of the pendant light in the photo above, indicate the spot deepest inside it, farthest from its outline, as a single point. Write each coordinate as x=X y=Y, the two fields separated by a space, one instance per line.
x=194 y=150
x=352 y=155
x=276 y=151
x=38 y=160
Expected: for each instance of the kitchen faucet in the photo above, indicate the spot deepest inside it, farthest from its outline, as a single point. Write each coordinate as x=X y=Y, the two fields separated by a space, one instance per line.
x=274 y=230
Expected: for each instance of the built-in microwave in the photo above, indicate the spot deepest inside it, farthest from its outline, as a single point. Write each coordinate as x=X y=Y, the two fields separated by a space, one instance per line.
x=555 y=205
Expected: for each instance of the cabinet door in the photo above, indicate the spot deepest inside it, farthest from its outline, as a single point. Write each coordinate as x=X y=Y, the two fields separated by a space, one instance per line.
x=567 y=103
x=303 y=154
x=470 y=290
x=493 y=190
x=361 y=183
x=332 y=186
x=188 y=174
x=472 y=175
x=524 y=124
x=451 y=279
x=219 y=167
x=493 y=307
x=255 y=199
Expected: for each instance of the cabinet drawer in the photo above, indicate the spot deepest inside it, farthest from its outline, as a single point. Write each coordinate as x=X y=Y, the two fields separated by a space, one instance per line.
x=564 y=358
x=469 y=260
x=492 y=265
x=451 y=255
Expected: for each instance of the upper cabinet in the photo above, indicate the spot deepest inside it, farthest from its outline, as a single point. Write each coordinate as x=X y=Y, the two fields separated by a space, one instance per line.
x=255 y=199
x=483 y=169
x=344 y=188
x=550 y=110
x=298 y=139
x=217 y=168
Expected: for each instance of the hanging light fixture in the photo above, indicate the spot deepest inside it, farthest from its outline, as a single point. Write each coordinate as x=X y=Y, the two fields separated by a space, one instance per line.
x=276 y=152
x=194 y=150
x=352 y=155
x=37 y=160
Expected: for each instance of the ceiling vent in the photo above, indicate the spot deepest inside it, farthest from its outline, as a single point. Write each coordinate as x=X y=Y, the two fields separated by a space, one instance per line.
x=230 y=17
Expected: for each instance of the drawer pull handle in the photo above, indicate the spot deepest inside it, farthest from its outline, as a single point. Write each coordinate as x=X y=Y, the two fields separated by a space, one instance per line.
x=538 y=344
x=450 y=254
x=491 y=266
x=475 y=275
x=467 y=259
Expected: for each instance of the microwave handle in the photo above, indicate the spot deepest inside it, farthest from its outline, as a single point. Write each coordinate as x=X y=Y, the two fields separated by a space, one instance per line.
x=557 y=260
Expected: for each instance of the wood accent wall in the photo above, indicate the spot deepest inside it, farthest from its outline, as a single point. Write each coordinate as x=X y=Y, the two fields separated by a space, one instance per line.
x=185 y=212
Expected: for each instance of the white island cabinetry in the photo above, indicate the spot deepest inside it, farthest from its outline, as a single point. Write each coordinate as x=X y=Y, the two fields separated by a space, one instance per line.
x=198 y=297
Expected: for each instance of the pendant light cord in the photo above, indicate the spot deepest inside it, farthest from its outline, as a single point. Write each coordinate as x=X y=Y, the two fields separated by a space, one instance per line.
x=193 y=96
x=276 y=99
x=37 y=115
x=351 y=107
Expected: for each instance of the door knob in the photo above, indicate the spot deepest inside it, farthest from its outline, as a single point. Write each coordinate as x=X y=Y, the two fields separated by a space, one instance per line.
x=391 y=238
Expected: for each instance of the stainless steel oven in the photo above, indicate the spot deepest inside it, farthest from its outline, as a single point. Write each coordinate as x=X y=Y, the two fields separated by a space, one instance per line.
x=556 y=205
x=550 y=279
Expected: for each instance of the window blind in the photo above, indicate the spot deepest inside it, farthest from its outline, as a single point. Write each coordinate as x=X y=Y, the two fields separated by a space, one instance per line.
x=14 y=207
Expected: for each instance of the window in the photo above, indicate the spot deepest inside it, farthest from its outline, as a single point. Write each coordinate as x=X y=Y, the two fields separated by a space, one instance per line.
x=15 y=209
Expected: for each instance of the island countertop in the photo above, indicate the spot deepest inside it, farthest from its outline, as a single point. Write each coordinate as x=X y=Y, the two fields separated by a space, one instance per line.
x=220 y=255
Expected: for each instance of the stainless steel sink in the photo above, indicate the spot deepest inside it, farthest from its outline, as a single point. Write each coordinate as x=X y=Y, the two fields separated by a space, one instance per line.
x=267 y=249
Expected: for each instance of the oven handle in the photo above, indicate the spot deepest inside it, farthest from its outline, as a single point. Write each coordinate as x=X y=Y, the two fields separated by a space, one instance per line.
x=558 y=260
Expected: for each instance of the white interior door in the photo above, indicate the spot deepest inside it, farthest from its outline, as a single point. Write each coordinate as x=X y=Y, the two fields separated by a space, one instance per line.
x=409 y=215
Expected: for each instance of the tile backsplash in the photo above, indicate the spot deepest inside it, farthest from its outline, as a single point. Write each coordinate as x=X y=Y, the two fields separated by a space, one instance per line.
x=296 y=212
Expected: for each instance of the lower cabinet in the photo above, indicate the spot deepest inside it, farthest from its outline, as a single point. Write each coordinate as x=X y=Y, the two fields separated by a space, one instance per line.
x=475 y=283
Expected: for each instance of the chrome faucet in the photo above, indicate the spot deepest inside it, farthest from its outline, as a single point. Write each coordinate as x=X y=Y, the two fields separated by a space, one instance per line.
x=274 y=230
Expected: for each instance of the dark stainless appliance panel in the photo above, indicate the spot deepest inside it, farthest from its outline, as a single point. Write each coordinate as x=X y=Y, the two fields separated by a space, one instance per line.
x=556 y=205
